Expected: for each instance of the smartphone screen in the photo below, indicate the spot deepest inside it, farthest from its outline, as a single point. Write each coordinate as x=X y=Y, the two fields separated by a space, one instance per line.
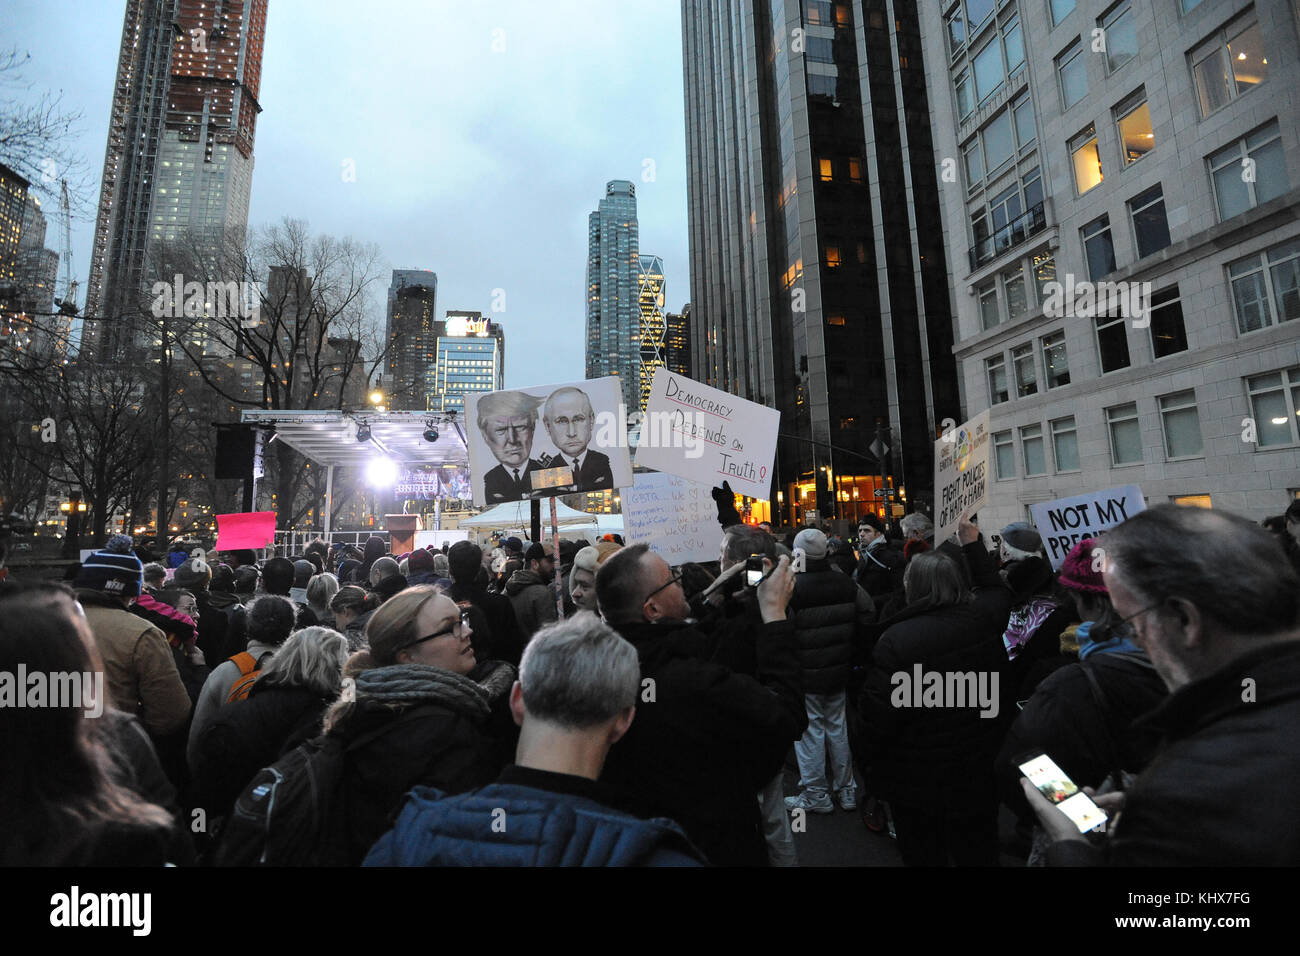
x=753 y=570
x=1052 y=783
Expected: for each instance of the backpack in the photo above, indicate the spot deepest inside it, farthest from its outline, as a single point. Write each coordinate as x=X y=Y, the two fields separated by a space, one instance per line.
x=250 y=668
x=293 y=812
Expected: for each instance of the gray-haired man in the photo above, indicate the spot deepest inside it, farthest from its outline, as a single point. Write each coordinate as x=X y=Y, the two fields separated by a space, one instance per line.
x=574 y=699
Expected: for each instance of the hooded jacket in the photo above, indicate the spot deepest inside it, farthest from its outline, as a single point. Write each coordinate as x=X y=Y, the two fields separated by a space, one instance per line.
x=553 y=819
x=532 y=600
x=832 y=616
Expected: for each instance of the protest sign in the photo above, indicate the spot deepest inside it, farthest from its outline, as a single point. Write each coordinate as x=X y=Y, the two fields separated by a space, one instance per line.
x=547 y=440
x=254 y=529
x=674 y=516
x=707 y=435
x=1066 y=521
x=961 y=471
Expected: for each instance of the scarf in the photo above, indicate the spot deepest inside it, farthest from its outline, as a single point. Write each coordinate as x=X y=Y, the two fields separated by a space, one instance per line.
x=1024 y=623
x=405 y=685
x=1119 y=644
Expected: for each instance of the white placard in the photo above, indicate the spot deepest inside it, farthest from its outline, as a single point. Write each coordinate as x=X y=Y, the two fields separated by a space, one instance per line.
x=961 y=473
x=707 y=435
x=1065 y=522
x=676 y=517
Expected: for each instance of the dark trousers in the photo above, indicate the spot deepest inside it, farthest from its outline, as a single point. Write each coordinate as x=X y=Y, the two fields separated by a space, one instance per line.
x=930 y=837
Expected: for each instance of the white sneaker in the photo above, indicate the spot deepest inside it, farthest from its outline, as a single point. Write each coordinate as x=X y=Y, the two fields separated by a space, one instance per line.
x=848 y=798
x=813 y=804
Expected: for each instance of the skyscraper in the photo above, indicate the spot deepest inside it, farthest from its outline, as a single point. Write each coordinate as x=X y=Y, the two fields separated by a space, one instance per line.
x=677 y=342
x=818 y=280
x=613 y=290
x=411 y=337
x=471 y=355
x=652 y=327
x=179 y=159
x=1122 y=227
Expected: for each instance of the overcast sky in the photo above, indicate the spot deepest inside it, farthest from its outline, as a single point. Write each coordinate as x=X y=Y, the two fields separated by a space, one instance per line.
x=480 y=165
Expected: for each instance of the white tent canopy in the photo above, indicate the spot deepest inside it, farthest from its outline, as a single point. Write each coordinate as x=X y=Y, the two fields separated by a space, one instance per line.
x=518 y=514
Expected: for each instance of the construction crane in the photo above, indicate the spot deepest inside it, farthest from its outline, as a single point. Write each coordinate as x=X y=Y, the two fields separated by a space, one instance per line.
x=68 y=303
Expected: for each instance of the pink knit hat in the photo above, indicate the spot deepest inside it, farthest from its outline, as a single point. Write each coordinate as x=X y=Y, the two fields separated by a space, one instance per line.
x=1077 y=572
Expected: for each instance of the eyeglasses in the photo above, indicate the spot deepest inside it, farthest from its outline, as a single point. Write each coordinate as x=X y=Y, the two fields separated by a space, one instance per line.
x=460 y=629
x=1125 y=625
x=674 y=579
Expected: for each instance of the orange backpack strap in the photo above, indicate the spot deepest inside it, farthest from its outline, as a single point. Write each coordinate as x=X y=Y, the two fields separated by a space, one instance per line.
x=249 y=669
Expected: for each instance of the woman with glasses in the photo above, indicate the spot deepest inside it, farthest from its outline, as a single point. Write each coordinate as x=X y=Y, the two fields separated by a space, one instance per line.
x=420 y=711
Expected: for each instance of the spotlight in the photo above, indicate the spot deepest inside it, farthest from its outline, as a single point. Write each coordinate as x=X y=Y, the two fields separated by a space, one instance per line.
x=381 y=472
x=431 y=433
x=363 y=432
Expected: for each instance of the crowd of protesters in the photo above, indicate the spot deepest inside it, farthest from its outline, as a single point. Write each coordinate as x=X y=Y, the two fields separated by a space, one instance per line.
x=463 y=706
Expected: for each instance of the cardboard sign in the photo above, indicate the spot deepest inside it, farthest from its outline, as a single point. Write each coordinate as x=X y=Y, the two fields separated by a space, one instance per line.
x=676 y=517
x=961 y=475
x=707 y=435
x=1065 y=522
x=547 y=440
x=254 y=529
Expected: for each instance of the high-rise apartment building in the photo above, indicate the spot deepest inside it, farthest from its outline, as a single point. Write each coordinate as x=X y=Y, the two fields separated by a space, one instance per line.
x=652 y=326
x=471 y=356
x=613 y=290
x=411 y=338
x=677 y=341
x=179 y=161
x=1121 y=211
x=28 y=272
x=818 y=280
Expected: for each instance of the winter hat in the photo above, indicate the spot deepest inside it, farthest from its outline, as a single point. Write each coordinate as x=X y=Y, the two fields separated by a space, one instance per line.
x=189 y=577
x=914 y=546
x=1023 y=536
x=513 y=545
x=420 y=560
x=114 y=570
x=389 y=586
x=1027 y=578
x=1077 y=572
x=536 y=552
x=605 y=549
x=812 y=542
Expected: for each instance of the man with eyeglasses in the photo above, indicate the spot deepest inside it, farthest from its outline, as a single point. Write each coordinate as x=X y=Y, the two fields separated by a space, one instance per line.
x=707 y=738
x=1212 y=600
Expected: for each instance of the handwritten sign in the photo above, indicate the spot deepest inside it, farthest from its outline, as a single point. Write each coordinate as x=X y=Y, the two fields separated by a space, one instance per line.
x=961 y=473
x=254 y=529
x=707 y=435
x=1065 y=522
x=674 y=516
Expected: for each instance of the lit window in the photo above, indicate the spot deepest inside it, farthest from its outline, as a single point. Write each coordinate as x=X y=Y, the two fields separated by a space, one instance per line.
x=832 y=257
x=1055 y=360
x=824 y=165
x=1087 y=160
x=1229 y=64
x=1136 y=138
x=1275 y=403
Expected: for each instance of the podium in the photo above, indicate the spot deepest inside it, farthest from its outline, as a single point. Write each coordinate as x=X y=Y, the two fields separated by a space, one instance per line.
x=401 y=532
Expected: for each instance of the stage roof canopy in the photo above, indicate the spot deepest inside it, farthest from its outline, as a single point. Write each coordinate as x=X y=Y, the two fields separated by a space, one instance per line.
x=329 y=437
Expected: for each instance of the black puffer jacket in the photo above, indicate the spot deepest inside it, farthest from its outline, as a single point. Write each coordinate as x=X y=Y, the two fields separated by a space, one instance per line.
x=832 y=616
x=1224 y=788
x=708 y=738
x=933 y=757
x=246 y=736
x=1085 y=732
x=880 y=572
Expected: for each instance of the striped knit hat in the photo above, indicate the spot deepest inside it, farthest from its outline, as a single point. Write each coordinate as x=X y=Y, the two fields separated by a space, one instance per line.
x=115 y=570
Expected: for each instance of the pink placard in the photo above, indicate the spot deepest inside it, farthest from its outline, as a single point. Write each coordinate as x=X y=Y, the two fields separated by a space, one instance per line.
x=254 y=529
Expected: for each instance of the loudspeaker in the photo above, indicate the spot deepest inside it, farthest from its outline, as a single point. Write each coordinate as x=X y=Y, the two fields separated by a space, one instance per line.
x=234 y=457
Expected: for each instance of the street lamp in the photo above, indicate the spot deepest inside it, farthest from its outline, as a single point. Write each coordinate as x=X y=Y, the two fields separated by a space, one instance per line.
x=74 y=508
